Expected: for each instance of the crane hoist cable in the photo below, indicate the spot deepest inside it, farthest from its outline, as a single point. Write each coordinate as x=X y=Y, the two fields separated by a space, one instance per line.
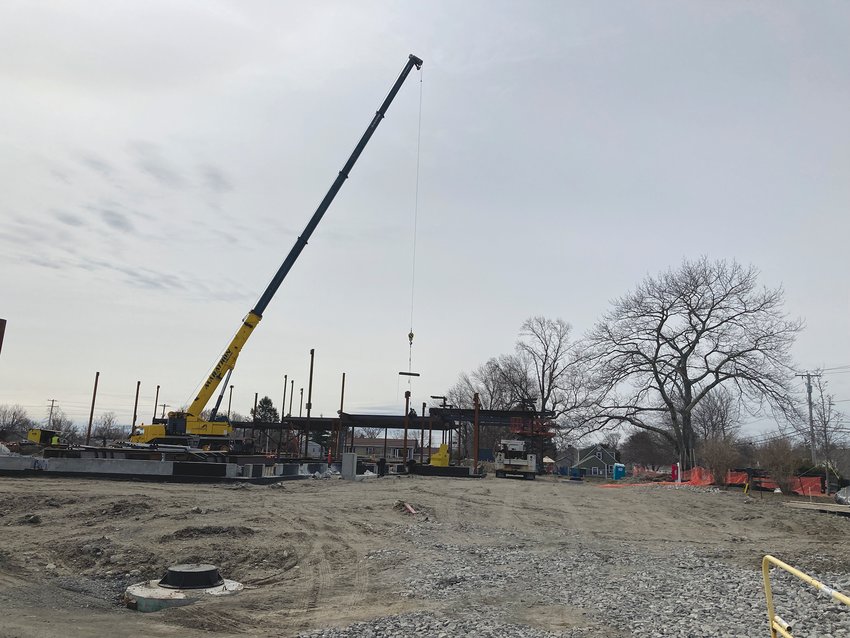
x=415 y=222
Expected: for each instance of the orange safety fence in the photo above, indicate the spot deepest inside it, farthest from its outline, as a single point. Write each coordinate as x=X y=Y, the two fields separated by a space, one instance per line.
x=699 y=476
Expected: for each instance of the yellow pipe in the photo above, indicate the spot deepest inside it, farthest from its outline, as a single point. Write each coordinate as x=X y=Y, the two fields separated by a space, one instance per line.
x=777 y=624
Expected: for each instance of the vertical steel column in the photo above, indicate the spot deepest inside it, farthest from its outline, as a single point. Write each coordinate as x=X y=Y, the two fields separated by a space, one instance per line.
x=156 y=401
x=406 y=424
x=309 y=404
x=254 y=419
x=291 y=394
x=385 y=443
x=136 y=404
x=340 y=435
x=91 y=414
x=476 y=402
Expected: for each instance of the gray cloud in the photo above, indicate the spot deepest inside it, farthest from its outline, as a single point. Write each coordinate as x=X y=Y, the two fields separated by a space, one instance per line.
x=60 y=175
x=21 y=232
x=97 y=165
x=118 y=221
x=140 y=277
x=215 y=179
x=69 y=218
x=150 y=161
x=46 y=262
x=136 y=276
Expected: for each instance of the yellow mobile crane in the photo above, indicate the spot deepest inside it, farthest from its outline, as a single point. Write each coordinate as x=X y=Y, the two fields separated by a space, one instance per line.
x=181 y=427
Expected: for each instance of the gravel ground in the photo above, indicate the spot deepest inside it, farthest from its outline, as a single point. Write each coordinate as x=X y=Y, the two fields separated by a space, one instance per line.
x=491 y=557
x=666 y=589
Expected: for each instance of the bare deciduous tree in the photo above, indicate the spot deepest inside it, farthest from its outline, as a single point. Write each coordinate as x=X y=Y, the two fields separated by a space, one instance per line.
x=781 y=460
x=545 y=349
x=499 y=385
x=828 y=422
x=612 y=439
x=718 y=454
x=68 y=431
x=14 y=422
x=370 y=433
x=717 y=416
x=678 y=336
x=545 y=372
x=106 y=428
x=647 y=448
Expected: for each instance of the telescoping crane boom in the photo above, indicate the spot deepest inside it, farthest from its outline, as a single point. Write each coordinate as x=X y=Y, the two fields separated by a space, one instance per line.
x=181 y=425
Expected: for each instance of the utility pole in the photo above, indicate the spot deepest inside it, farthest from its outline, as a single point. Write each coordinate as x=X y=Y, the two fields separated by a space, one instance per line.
x=50 y=416
x=164 y=405
x=808 y=376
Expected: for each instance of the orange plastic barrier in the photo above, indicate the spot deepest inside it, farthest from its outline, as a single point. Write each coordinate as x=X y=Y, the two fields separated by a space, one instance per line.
x=804 y=485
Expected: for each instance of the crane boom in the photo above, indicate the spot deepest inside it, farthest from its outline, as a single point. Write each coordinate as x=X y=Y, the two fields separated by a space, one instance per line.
x=190 y=422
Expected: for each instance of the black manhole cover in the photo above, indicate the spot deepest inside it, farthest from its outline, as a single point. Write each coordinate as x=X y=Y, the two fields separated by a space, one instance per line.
x=191 y=576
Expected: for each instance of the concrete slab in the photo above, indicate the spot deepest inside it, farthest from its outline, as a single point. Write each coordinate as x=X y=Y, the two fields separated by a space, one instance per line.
x=16 y=463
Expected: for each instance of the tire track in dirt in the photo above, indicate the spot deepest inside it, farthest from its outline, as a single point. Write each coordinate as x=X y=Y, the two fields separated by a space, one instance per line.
x=360 y=586
x=321 y=578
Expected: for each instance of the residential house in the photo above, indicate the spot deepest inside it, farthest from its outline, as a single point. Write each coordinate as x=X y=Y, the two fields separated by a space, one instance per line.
x=597 y=460
x=373 y=449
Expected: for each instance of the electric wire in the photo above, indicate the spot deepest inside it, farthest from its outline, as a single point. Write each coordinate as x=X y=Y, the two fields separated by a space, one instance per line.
x=845 y=367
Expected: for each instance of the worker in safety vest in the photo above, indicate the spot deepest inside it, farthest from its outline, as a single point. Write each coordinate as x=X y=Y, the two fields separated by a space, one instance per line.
x=54 y=440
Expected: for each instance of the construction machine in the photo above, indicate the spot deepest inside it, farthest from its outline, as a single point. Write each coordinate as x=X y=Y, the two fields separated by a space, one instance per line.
x=514 y=458
x=522 y=455
x=189 y=426
x=43 y=437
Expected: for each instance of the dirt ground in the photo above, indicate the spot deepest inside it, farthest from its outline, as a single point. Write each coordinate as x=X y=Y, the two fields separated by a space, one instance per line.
x=326 y=553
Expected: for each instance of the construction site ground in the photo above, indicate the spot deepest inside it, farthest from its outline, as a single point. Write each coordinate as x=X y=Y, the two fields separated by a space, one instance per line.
x=326 y=557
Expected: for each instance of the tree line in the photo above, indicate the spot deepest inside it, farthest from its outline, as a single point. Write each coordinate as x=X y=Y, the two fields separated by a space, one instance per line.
x=15 y=422
x=678 y=362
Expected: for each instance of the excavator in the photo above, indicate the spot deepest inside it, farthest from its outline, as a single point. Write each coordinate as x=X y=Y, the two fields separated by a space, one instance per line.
x=182 y=427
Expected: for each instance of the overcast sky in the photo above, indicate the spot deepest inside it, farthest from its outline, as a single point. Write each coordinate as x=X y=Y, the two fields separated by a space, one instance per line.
x=158 y=160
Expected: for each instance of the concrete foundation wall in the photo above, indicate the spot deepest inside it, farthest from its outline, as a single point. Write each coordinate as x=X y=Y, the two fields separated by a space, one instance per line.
x=16 y=463
x=287 y=469
x=111 y=466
